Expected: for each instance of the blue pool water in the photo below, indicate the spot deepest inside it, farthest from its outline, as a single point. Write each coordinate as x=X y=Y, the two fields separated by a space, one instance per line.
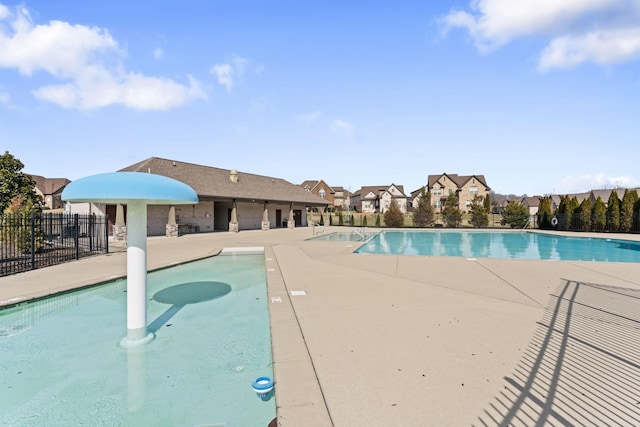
x=483 y=244
x=62 y=365
x=345 y=236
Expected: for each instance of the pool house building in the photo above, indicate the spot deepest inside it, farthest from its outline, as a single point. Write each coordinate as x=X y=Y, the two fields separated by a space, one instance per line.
x=229 y=200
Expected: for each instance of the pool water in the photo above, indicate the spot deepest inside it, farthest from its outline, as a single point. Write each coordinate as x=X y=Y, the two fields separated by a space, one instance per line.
x=354 y=236
x=62 y=365
x=485 y=244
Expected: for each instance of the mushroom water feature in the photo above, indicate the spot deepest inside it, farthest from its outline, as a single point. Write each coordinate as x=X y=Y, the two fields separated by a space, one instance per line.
x=136 y=190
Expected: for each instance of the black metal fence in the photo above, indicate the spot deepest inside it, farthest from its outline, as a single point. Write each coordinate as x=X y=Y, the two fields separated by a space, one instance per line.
x=38 y=240
x=597 y=223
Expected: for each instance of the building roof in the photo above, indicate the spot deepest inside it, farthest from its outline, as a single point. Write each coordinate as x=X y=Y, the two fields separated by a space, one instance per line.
x=342 y=190
x=459 y=180
x=215 y=183
x=605 y=194
x=49 y=186
x=531 y=201
x=378 y=190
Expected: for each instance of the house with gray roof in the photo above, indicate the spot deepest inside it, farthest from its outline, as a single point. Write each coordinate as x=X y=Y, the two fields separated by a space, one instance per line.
x=466 y=187
x=377 y=198
x=338 y=197
x=229 y=200
x=50 y=189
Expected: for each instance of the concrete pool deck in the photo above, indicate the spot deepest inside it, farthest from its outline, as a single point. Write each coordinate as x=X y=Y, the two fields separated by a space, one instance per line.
x=408 y=340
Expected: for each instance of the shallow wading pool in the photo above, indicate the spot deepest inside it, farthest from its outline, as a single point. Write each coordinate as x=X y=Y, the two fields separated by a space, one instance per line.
x=62 y=365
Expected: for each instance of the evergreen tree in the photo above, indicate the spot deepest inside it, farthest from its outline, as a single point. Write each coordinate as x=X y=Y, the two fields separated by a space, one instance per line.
x=613 y=212
x=423 y=215
x=352 y=220
x=340 y=219
x=585 y=214
x=636 y=216
x=479 y=213
x=567 y=208
x=629 y=199
x=599 y=215
x=16 y=185
x=364 y=221
x=378 y=220
x=21 y=224
x=545 y=213
x=393 y=216
x=451 y=214
x=515 y=214
x=487 y=203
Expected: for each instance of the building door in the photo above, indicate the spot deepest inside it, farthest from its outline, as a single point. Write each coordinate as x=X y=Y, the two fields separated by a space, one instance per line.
x=111 y=214
x=297 y=217
x=278 y=218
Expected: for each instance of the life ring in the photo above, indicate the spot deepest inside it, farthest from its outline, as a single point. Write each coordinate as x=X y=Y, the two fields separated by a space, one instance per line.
x=554 y=221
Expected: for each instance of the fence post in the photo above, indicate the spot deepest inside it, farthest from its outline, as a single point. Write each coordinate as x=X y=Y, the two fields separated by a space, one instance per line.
x=33 y=241
x=76 y=233
x=106 y=232
x=92 y=222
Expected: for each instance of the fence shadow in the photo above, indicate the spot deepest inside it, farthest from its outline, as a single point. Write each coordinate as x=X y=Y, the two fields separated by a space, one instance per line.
x=582 y=366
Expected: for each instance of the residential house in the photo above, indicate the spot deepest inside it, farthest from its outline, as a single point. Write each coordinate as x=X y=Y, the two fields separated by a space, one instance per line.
x=338 y=197
x=532 y=203
x=229 y=200
x=50 y=189
x=377 y=198
x=466 y=187
x=341 y=198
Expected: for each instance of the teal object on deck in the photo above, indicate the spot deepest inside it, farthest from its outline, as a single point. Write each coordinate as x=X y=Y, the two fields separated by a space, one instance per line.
x=123 y=187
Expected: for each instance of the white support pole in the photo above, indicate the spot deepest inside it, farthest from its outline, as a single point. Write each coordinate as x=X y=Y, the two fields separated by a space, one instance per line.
x=136 y=275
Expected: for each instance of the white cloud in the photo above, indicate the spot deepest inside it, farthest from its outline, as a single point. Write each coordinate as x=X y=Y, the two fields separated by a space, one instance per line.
x=229 y=73
x=79 y=56
x=224 y=73
x=310 y=117
x=135 y=91
x=579 y=30
x=584 y=183
x=601 y=47
x=344 y=127
x=158 y=53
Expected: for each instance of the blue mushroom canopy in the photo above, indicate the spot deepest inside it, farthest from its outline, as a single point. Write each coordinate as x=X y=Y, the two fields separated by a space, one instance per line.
x=123 y=187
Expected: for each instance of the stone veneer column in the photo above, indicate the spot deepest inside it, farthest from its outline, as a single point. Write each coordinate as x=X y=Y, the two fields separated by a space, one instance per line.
x=265 y=218
x=291 y=222
x=119 y=228
x=172 y=227
x=233 y=225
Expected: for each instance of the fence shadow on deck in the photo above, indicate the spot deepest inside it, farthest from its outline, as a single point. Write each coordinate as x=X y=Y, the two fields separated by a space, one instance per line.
x=582 y=366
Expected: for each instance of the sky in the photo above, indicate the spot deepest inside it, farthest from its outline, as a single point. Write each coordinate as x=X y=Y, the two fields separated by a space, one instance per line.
x=540 y=96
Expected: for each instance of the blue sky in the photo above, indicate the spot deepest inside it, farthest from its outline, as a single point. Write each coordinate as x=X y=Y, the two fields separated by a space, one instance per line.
x=539 y=96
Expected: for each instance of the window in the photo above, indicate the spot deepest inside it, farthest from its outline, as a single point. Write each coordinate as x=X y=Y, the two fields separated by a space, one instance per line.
x=437 y=191
x=468 y=204
x=437 y=204
x=473 y=190
x=322 y=193
x=450 y=191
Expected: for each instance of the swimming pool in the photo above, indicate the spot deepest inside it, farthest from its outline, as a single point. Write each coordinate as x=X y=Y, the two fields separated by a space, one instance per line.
x=354 y=236
x=62 y=365
x=489 y=244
